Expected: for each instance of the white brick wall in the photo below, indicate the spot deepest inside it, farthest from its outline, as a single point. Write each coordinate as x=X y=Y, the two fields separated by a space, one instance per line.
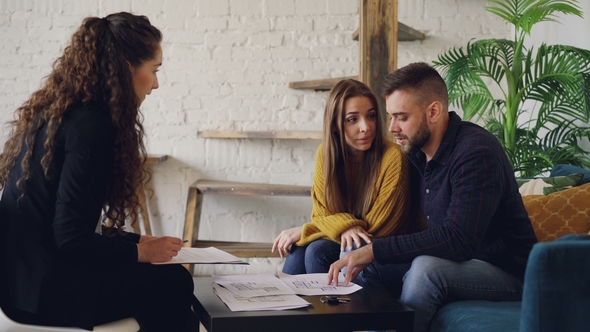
x=227 y=65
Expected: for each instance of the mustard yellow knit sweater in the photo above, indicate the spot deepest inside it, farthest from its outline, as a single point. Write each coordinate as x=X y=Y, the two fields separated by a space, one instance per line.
x=388 y=214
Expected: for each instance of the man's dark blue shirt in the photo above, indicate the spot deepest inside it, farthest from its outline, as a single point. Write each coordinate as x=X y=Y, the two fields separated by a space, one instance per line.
x=470 y=198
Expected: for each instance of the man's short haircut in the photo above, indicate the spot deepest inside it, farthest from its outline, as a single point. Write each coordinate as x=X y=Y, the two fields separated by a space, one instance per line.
x=419 y=78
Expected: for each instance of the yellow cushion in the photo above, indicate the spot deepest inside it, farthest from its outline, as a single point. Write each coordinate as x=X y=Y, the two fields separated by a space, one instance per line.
x=563 y=212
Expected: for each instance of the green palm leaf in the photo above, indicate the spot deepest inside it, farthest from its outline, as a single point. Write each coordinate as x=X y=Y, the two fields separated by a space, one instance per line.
x=463 y=70
x=523 y=14
x=553 y=80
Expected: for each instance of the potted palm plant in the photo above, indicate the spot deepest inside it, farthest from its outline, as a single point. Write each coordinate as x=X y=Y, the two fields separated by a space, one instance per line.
x=541 y=112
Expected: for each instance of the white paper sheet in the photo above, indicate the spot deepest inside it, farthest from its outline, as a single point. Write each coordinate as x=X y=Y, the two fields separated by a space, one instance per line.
x=251 y=285
x=258 y=303
x=315 y=284
x=208 y=255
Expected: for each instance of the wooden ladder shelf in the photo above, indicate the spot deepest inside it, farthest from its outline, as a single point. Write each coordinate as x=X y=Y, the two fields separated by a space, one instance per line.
x=209 y=187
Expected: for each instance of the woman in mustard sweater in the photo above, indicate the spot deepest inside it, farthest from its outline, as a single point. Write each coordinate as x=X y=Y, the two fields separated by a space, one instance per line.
x=360 y=186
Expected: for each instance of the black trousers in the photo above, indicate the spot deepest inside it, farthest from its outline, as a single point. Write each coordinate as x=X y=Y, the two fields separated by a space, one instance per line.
x=159 y=297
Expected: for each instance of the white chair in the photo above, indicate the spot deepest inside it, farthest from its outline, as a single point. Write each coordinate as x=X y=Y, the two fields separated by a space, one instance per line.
x=124 y=325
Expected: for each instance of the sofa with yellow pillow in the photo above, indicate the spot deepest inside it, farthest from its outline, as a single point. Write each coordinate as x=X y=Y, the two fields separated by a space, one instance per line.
x=556 y=294
x=562 y=212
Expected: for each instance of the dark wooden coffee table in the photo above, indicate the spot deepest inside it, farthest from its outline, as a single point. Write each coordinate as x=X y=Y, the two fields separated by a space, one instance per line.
x=368 y=309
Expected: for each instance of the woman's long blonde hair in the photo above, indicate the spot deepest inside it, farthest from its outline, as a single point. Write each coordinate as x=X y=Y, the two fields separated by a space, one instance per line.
x=336 y=165
x=94 y=68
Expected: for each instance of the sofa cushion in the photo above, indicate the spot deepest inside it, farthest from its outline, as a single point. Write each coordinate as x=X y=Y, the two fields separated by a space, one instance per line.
x=481 y=316
x=564 y=169
x=563 y=212
x=546 y=186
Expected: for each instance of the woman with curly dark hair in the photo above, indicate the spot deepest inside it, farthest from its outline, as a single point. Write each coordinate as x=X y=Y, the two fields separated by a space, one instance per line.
x=73 y=160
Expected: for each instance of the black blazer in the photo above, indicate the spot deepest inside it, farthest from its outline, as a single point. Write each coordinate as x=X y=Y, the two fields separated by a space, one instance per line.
x=51 y=258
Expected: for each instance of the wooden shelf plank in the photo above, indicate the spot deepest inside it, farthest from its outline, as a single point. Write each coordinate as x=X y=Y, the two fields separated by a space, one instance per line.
x=212 y=187
x=153 y=159
x=239 y=249
x=319 y=85
x=290 y=134
x=356 y=33
x=404 y=33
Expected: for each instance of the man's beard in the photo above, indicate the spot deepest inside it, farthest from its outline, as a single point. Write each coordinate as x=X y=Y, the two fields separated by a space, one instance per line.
x=417 y=141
